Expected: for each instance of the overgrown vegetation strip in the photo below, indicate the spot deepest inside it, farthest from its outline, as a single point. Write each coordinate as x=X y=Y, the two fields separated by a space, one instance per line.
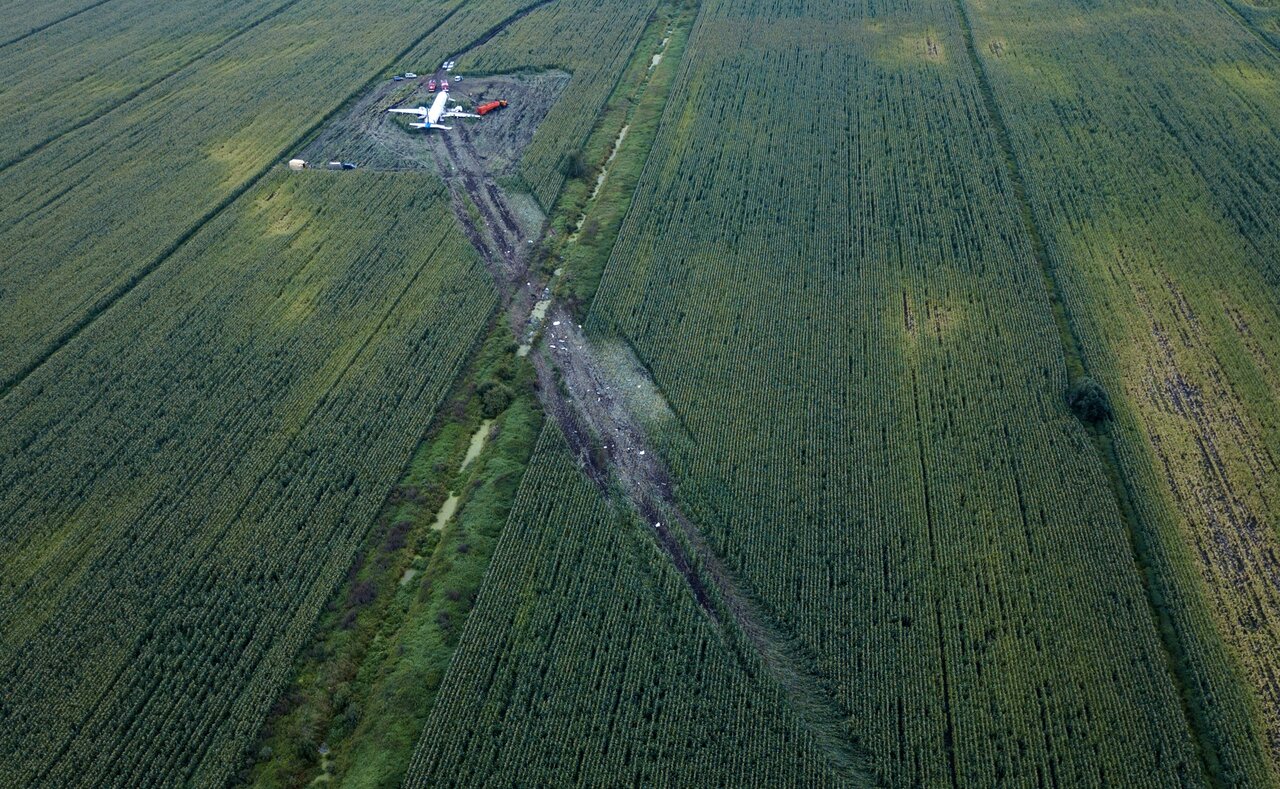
x=411 y=585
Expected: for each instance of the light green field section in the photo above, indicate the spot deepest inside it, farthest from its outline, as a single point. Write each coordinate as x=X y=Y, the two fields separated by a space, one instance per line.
x=73 y=72
x=1149 y=145
x=185 y=482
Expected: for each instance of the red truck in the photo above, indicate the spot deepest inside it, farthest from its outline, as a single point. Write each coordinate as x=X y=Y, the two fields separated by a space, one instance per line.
x=490 y=106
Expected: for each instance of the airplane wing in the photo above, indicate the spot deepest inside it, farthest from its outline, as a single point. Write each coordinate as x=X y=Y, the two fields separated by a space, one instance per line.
x=459 y=115
x=407 y=111
x=429 y=126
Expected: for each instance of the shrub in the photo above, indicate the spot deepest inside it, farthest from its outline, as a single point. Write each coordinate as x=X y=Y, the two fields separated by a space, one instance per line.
x=1089 y=401
x=494 y=398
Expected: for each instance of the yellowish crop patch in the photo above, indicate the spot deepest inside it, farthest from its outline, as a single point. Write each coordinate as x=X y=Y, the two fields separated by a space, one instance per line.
x=1245 y=77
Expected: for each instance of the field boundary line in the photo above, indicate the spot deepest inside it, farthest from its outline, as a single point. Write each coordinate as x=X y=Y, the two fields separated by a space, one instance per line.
x=1169 y=637
x=1272 y=47
x=128 y=98
x=41 y=28
x=102 y=305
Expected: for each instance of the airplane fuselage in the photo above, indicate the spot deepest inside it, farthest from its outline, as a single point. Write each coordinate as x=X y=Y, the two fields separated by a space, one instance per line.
x=429 y=117
x=437 y=108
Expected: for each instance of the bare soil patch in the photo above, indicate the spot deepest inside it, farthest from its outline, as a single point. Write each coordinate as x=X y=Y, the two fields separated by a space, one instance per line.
x=373 y=139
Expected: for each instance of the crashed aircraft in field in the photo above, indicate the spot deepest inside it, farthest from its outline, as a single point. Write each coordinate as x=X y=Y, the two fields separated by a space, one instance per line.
x=429 y=117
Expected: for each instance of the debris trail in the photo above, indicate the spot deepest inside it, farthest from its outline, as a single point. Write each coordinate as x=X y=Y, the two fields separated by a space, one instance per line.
x=612 y=448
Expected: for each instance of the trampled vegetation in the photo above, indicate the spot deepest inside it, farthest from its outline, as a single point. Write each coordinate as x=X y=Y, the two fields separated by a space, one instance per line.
x=948 y=327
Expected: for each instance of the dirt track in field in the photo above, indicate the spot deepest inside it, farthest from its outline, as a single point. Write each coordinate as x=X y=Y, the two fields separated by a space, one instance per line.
x=579 y=389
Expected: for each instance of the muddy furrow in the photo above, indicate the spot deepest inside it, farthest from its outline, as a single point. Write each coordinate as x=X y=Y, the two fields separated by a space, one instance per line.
x=616 y=454
x=613 y=450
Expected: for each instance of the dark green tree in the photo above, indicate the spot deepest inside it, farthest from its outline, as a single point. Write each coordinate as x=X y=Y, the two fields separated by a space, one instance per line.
x=1089 y=401
x=494 y=398
x=574 y=165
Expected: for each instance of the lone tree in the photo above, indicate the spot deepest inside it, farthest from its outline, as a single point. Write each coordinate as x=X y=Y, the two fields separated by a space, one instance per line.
x=1089 y=401
x=573 y=165
x=494 y=398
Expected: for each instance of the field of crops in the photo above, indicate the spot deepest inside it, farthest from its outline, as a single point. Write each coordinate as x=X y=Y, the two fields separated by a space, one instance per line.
x=186 y=481
x=22 y=19
x=47 y=92
x=1156 y=184
x=858 y=254
x=1259 y=17
x=856 y=333
x=87 y=215
x=587 y=662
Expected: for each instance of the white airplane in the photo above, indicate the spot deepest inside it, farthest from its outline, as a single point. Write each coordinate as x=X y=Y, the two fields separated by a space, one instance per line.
x=429 y=118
